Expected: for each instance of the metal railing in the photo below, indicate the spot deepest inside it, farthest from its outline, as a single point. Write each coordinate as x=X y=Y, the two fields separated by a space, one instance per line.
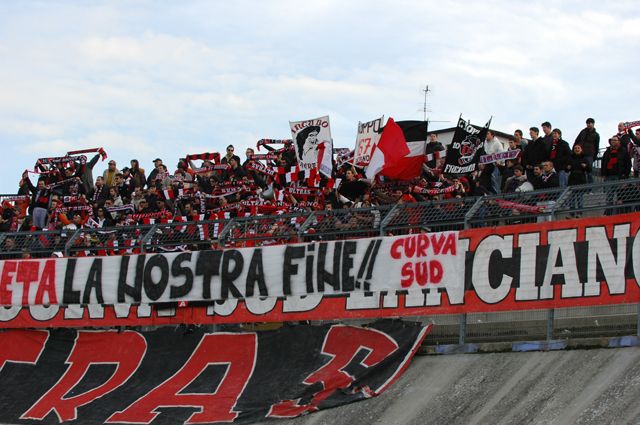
x=606 y=198
x=604 y=321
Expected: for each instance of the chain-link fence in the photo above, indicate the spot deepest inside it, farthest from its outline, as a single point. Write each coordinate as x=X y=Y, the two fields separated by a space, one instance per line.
x=108 y=241
x=34 y=244
x=604 y=198
x=346 y=223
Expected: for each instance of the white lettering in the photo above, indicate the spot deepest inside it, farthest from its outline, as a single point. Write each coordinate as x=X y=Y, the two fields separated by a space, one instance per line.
x=600 y=251
x=480 y=270
x=527 y=290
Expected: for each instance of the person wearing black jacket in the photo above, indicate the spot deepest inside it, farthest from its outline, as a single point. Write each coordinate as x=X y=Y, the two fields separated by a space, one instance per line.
x=151 y=180
x=579 y=169
x=230 y=155
x=40 y=200
x=235 y=172
x=548 y=137
x=616 y=162
x=559 y=154
x=589 y=140
x=549 y=178
x=578 y=166
x=535 y=153
x=616 y=165
x=433 y=146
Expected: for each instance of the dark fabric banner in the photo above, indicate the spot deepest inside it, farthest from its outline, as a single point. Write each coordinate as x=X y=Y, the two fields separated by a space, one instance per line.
x=170 y=376
x=465 y=149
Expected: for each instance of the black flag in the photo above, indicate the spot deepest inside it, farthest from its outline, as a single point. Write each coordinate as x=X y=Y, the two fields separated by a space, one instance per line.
x=466 y=147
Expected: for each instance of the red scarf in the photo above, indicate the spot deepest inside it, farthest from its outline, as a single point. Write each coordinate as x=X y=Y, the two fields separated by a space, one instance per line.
x=613 y=159
x=554 y=151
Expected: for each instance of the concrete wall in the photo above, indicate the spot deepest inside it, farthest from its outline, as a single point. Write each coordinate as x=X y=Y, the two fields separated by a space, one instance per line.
x=600 y=386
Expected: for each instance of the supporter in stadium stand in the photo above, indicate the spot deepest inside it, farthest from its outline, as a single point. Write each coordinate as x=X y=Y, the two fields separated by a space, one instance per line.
x=98 y=193
x=109 y=174
x=636 y=156
x=235 y=172
x=626 y=136
x=589 y=140
x=152 y=176
x=102 y=218
x=210 y=187
x=506 y=171
x=138 y=177
x=123 y=185
x=484 y=178
x=579 y=166
x=87 y=172
x=230 y=155
x=8 y=248
x=536 y=177
x=352 y=189
x=616 y=162
x=535 y=153
x=493 y=145
x=8 y=217
x=514 y=146
x=433 y=145
x=77 y=221
x=616 y=165
x=548 y=137
x=549 y=176
x=519 y=140
x=559 y=154
x=41 y=197
x=515 y=181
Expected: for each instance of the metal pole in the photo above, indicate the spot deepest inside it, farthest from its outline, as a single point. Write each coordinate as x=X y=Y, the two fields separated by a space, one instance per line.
x=462 y=330
x=69 y=244
x=387 y=218
x=472 y=211
x=147 y=238
x=550 y=320
x=225 y=231
x=306 y=224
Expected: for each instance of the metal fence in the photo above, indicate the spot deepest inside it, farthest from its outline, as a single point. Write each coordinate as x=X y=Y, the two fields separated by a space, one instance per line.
x=605 y=198
x=536 y=325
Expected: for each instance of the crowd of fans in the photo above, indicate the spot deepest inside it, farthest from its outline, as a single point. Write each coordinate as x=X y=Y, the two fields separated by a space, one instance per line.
x=68 y=196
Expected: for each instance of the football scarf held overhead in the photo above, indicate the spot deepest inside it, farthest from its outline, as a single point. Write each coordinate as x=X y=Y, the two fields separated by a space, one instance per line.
x=101 y=151
x=267 y=142
x=215 y=157
x=500 y=156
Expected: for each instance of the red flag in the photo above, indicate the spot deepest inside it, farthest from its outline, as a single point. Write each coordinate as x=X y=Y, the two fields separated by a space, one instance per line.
x=390 y=150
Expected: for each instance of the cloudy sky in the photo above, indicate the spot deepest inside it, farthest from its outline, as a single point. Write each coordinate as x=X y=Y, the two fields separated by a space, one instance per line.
x=163 y=78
